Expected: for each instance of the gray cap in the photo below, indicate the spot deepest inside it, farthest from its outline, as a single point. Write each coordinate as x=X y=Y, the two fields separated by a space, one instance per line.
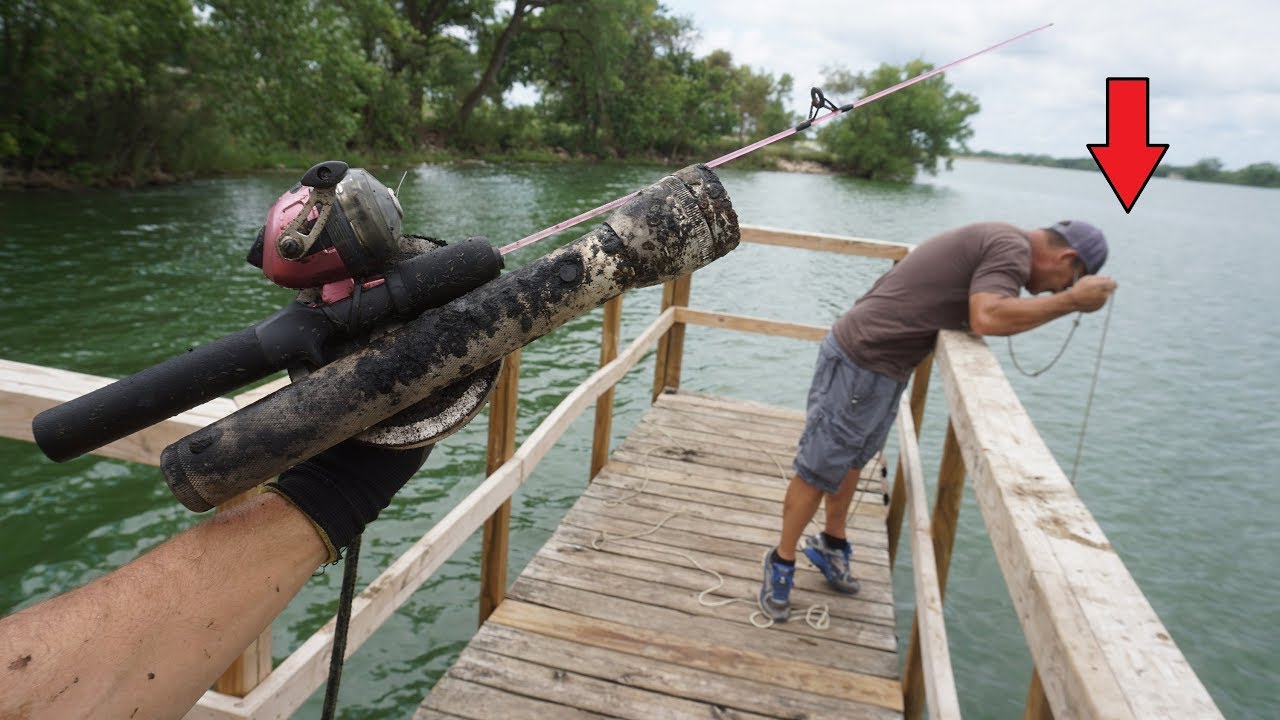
x=1086 y=240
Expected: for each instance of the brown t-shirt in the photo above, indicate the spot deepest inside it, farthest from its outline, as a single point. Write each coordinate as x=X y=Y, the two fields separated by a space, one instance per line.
x=895 y=325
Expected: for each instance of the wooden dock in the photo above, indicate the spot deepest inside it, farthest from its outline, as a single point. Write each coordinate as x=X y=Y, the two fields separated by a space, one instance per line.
x=606 y=620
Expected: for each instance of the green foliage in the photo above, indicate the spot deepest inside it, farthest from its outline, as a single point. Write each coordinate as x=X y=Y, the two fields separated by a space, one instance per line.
x=911 y=129
x=1264 y=174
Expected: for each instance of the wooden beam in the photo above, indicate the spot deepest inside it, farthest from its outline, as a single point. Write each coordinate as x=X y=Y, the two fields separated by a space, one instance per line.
x=824 y=243
x=1037 y=704
x=610 y=328
x=503 y=410
x=671 y=349
x=897 y=497
x=1097 y=644
x=928 y=672
x=744 y=323
x=26 y=390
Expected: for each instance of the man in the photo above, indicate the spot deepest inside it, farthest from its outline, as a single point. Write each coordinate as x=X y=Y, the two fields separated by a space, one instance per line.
x=970 y=277
x=147 y=640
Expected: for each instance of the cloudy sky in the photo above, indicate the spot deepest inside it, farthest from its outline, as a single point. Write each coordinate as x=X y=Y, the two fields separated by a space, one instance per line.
x=1213 y=65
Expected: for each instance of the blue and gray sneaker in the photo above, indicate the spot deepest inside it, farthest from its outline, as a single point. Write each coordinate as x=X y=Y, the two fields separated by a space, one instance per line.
x=775 y=592
x=833 y=563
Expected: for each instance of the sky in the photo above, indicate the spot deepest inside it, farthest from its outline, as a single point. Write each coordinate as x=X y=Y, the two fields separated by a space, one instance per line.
x=1213 y=65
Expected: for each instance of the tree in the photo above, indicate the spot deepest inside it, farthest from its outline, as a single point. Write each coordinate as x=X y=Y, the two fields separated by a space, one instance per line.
x=897 y=135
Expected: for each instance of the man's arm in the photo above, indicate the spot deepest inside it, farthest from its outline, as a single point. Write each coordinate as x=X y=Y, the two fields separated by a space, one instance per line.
x=992 y=314
x=149 y=638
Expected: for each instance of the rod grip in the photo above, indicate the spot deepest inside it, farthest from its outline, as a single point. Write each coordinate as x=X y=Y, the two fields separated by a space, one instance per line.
x=150 y=396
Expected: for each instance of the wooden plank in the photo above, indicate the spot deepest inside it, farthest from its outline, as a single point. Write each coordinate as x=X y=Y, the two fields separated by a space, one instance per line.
x=876 y=586
x=870 y=547
x=897 y=499
x=1097 y=644
x=567 y=689
x=610 y=328
x=708 y=687
x=823 y=242
x=778 y=662
x=674 y=357
x=27 y=390
x=675 y=582
x=499 y=447
x=868 y=516
x=1037 y=704
x=745 y=407
x=463 y=698
x=746 y=323
x=928 y=669
x=777 y=439
x=689 y=406
x=611 y=503
x=678 y=540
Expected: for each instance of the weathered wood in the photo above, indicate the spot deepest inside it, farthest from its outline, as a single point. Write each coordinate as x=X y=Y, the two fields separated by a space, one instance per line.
x=779 y=662
x=928 y=668
x=675 y=294
x=610 y=328
x=745 y=323
x=946 y=506
x=1037 y=704
x=824 y=243
x=27 y=390
x=477 y=701
x=1097 y=644
x=897 y=498
x=577 y=690
x=712 y=688
x=501 y=445
x=743 y=407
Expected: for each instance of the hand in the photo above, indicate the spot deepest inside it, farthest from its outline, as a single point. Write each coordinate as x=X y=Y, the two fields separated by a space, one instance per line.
x=1091 y=292
x=345 y=487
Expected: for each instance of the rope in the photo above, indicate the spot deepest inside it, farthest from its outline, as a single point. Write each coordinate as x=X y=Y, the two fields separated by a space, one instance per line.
x=1093 y=385
x=349 y=573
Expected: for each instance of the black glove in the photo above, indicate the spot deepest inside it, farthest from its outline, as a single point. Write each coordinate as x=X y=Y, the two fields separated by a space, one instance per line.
x=345 y=487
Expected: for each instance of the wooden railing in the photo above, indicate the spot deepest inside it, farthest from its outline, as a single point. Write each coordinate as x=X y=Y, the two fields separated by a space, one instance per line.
x=1099 y=649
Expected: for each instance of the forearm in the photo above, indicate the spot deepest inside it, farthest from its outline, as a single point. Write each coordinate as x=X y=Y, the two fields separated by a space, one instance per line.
x=148 y=639
x=1008 y=316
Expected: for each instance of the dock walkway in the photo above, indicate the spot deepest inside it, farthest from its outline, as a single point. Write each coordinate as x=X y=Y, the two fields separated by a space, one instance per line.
x=619 y=631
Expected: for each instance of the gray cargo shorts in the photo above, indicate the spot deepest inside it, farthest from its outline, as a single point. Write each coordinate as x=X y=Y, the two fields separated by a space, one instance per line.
x=849 y=414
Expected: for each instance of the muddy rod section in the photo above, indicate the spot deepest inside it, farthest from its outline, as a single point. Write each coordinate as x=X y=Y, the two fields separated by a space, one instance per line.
x=673 y=227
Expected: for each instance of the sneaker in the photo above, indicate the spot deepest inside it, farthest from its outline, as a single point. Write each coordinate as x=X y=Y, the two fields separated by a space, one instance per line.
x=775 y=592
x=833 y=563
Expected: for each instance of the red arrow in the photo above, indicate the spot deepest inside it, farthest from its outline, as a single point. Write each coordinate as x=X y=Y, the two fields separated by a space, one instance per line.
x=1127 y=159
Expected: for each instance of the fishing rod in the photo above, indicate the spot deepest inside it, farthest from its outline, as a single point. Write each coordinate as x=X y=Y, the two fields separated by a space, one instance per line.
x=819 y=103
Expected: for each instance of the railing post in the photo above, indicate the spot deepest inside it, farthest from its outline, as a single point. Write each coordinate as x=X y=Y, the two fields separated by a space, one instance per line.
x=1037 y=704
x=254 y=664
x=898 y=497
x=946 y=513
x=666 y=370
x=609 y=331
x=500 y=448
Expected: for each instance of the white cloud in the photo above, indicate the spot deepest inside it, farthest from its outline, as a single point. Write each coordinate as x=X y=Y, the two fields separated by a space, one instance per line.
x=1215 y=85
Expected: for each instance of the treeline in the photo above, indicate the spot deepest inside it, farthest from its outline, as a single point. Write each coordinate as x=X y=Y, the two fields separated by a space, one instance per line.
x=1262 y=174
x=136 y=89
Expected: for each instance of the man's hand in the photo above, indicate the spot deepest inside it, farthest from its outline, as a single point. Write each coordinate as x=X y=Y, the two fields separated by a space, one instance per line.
x=1090 y=293
x=345 y=487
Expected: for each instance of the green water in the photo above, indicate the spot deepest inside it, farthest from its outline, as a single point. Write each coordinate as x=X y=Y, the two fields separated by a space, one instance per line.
x=1179 y=463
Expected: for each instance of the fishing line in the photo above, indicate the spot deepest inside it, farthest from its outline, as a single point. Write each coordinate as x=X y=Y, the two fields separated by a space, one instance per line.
x=1093 y=385
x=819 y=103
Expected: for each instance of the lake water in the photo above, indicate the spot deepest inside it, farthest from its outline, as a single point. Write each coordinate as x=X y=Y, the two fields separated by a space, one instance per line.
x=1179 y=463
